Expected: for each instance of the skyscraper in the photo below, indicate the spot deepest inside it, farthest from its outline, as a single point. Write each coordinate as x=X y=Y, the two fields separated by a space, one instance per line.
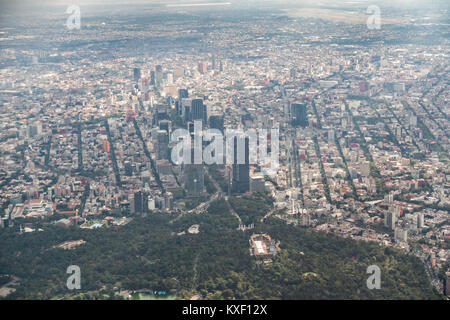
x=241 y=172
x=165 y=125
x=202 y=67
x=140 y=202
x=198 y=110
x=298 y=115
x=390 y=219
x=216 y=122
x=420 y=220
x=213 y=62
x=194 y=179
x=162 y=145
x=183 y=93
x=152 y=78
x=137 y=74
x=159 y=76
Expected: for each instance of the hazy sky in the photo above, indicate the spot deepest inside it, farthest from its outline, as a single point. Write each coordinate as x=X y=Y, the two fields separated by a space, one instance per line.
x=28 y=6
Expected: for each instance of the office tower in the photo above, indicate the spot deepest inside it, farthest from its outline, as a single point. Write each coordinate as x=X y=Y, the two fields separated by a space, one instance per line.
x=190 y=128
x=213 y=62
x=137 y=202
x=202 y=67
x=160 y=114
x=165 y=125
x=216 y=122
x=152 y=78
x=170 y=100
x=162 y=151
x=298 y=115
x=125 y=208
x=194 y=179
x=390 y=219
x=198 y=110
x=241 y=172
x=140 y=202
x=220 y=66
x=205 y=114
x=34 y=129
x=158 y=76
x=185 y=108
x=168 y=201
x=182 y=93
x=420 y=220
x=137 y=74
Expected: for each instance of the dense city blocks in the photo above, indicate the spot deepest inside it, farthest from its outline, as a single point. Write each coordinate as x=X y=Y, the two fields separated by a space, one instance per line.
x=249 y=150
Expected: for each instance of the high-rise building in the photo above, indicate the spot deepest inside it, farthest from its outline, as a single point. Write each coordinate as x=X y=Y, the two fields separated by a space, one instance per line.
x=241 y=172
x=183 y=93
x=152 y=78
x=298 y=115
x=202 y=68
x=198 y=110
x=390 y=219
x=34 y=129
x=162 y=145
x=213 y=62
x=140 y=202
x=420 y=220
x=216 y=121
x=194 y=179
x=136 y=74
x=159 y=76
x=165 y=125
